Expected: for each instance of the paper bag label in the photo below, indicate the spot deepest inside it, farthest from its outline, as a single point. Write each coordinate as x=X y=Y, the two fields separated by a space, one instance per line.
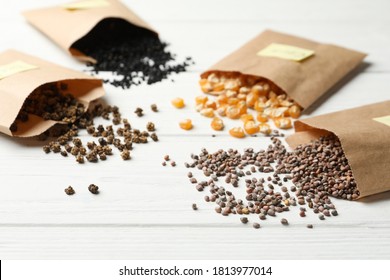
x=14 y=68
x=88 y=4
x=285 y=52
x=385 y=120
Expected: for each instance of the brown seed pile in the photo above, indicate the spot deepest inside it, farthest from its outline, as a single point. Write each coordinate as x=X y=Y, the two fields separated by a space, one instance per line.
x=237 y=93
x=51 y=102
x=122 y=137
x=328 y=174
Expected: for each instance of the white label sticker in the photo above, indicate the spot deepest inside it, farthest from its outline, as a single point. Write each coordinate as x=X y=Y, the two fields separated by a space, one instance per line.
x=14 y=68
x=286 y=52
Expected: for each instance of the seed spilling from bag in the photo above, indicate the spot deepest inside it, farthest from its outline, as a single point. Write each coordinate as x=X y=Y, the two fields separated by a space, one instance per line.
x=134 y=59
x=332 y=177
x=235 y=94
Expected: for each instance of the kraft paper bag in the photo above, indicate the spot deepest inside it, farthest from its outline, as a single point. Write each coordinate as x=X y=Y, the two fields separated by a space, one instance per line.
x=303 y=69
x=79 y=25
x=364 y=134
x=21 y=74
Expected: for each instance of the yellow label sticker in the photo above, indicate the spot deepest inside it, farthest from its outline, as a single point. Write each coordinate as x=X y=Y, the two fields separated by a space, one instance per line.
x=385 y=120
x=285 y=52
x=87 y=4
x=14 y=68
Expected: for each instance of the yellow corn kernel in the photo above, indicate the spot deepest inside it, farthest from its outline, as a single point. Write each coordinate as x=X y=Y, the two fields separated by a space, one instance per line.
x=241 y=96
x=283 y=123
x=272 y=95
x=237 y=132
x=275 y=112
x=221 y=110
x=232 y=85
x=265 y=128
x=251 y=99
x=261 y=117
x=202 y=82
x=251 y=127
x=259 y=106
x=233 y=101
x=246 y=117
x=233 y=112
x=259 y=90
x=201 y=99
x=222 y=99
x=244 y=90
x=210 y=104
x=274 y=103
x=207 y=112
x=206 y=88
x=285 y=103
x=199 y=107
x=186 y=124
x=217 y=124
x=242 y=107
x=213 y=78
x=231 y=94
x=294 y=111
x=178 y=102
x=218 y=87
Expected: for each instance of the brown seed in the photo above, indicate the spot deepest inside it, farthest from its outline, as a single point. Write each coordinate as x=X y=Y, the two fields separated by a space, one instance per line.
x=154 y=107
x=302 y=214
x=173 y=163
x=125 y=154
x=93 y=189
x=256 y=225
x=164 y=163
x=69 y=191
x=334 y=213
x=309 y=226
x=284 y=222
x=194 y=206
x=150 y=126
x=244 y=220
x=166 y=157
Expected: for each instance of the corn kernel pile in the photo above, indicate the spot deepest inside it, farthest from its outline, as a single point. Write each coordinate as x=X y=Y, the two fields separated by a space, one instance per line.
x=235 y=94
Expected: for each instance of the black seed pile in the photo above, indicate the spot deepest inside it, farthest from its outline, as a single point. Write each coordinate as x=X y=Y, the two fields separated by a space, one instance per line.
x=136 y=56
x=317 y=171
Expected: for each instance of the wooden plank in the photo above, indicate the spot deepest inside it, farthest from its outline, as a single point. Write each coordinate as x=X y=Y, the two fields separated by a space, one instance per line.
x=194 y=243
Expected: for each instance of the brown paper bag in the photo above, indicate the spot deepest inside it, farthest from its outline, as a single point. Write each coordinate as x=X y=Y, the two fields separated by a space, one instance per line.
x=364 y=134
x=306 y=80
x=82 y=23
x=21 y=74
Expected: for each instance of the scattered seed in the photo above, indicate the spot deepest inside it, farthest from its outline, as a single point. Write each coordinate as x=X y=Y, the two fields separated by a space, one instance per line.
x=244 y=220
x=194 y=206
x=256 y=225
x=309 y=226
x=93 y=189
x=284 y=222
x=69 y=191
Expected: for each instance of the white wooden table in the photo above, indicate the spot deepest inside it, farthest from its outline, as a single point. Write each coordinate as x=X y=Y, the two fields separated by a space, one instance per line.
x=144 y=209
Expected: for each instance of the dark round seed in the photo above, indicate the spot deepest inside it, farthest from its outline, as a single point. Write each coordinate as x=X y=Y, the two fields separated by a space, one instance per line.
x=194 y=206
x=284 y=222
x=93 y=189
x=309 y=226
x=256 y=225
x=244 y=220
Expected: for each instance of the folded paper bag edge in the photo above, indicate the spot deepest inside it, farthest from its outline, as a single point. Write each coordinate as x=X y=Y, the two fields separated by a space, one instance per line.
x=87 y=88
x=67 y=36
